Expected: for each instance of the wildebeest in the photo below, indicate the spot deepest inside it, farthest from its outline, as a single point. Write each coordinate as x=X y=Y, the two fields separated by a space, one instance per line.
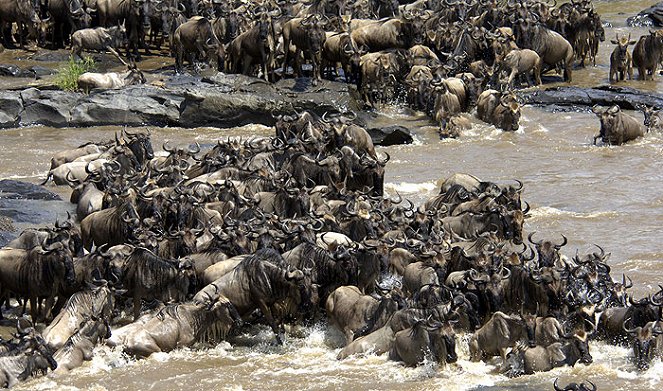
x=521 y=62
x=425 y=342
x=551 y=46
x=98 y=39
x=97 y=302
x=111 y=80
x=21 y=12
x=308 y=37
x=496 y=336
x=621 y=63
x=24 y=364
x=36 y=273
x=180 y=325
x=529 y=360
x=78 y=348
x=499 y=109
x=258 y=282
x=350 y=310
x=653 y=118
x=147 y=276
x=576 y=387
x=255 y=46
x=196 y=40
x=645 y=343
x=647 y=54
x=617 y=127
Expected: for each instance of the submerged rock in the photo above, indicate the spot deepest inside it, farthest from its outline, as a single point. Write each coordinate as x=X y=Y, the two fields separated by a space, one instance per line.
x=390 y=135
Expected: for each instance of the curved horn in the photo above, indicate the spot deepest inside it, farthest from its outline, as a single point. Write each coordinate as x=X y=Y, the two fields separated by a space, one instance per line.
x=629 y=331
x=564 y=242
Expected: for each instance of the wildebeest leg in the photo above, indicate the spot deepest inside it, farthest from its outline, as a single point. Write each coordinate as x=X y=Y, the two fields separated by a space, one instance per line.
x=136 y=306
x=34 y=307
x=115 y=53
x=272 y=322
x=48 y=307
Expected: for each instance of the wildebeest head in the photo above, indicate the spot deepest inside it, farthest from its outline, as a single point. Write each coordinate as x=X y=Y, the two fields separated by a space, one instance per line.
x=140 y=145
x=134 y=76
x=621 y=51
x=140 y=9
x=579 y=341
x=529 y=321
x=40 y=358
x=644 y=342
x=576 y=387
x=60 y=259
x=547 y=251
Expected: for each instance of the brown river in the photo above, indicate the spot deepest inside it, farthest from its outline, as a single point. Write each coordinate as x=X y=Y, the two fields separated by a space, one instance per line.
x=612 y=196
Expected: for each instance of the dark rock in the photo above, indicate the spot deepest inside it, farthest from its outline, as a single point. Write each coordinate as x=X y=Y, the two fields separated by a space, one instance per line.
x=32 y=72
x=652 y=16
x=16 y=190
x=625 y=97
x=9 y=70
x=51 y=108
x=39 y=71
x=11 y=106
x=390 y=135
x=33 y=211
x=134 y=105
x=23 y=205
x=52 y=56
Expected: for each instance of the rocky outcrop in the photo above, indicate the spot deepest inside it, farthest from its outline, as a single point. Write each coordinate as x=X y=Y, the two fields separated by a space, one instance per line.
x=652 y=16
x=185 y=101
x=24 y=204
x=568 y=98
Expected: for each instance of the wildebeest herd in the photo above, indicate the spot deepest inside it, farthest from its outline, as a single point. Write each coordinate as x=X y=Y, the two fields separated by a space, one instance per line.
x=201 y=241
x=439 y=56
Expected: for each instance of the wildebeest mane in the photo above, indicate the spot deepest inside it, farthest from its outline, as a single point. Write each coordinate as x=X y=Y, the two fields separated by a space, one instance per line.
x=259 y=268
x=147 y=268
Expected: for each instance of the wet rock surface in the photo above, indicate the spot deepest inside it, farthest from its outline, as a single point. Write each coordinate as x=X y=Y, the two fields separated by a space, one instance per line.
x=186 y=101
x=25 y=204
x=391 y=135
x=652 y=16
x=560 y=97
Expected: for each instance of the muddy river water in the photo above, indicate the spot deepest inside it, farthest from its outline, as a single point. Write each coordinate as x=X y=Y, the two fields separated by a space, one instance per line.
x=612 y=196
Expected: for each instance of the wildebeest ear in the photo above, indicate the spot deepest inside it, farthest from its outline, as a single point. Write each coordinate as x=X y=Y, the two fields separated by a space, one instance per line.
x=613 y=110
x=631 y=42
x=596 y=109
x=297 y=275
x=614 y=42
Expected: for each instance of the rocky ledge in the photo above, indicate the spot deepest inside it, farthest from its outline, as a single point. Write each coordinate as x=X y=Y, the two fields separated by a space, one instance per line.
x=184 y=101
x=221 y=101
x=570 y=98
x=652 y=16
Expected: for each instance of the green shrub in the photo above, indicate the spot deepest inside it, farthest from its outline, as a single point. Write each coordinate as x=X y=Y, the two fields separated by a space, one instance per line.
x=68 y=73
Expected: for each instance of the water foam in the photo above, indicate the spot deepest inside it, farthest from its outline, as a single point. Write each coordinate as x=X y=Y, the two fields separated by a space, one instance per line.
x=547 y=211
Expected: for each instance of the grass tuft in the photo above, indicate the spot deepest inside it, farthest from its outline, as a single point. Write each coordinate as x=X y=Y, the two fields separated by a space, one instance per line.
x=67 y=75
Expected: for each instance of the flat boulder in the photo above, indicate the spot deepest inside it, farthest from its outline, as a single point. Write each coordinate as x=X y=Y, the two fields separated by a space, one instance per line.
x=625 y=97
x=24 y=204
x=17 y=190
